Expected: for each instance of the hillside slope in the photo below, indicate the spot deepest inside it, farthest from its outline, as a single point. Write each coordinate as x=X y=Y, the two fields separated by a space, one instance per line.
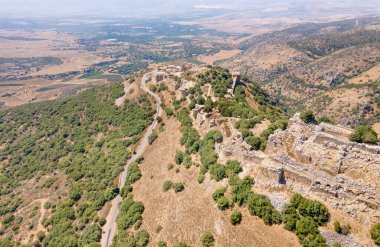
x=331 y=68
x=59 y=160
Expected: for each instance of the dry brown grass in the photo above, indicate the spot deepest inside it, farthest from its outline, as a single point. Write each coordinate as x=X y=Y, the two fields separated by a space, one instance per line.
x=218 y=56
x=51 y=43
x=186 y=215
x=376 y=127
x=370 y=75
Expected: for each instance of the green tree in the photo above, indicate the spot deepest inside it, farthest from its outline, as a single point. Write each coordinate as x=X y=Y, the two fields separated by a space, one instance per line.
x=223 y=203
x=207 y=239
x=364 y=134
x=209 y=105
x=218 y=172
x=179 y=156
x=91 y=234
x=218 y=194
x=178 y=187
x=236 y=218
x=152 y=138
x=308 y=117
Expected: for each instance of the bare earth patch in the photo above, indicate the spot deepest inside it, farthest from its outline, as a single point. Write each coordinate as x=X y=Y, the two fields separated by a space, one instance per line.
x=376 y=127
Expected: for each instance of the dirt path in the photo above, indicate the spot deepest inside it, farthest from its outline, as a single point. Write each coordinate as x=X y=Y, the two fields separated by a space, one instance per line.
x=110 y=228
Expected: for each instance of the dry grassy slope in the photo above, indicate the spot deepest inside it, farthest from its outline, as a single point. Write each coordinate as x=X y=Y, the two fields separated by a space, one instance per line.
x=266 y=60
x=302 y=79
x=186 y=215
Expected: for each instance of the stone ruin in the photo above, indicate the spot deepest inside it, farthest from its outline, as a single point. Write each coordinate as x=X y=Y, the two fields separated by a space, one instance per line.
x=319 y=160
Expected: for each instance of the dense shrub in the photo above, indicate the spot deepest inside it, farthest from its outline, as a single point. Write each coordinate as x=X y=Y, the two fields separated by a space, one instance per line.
x=308 y=117
x=241 y=190
x=219 y=193
x=178 y=187
x=261 y=206
x=223 y=203
x=314 y=210
x=152 y=138
x=207 y=153
x=236 y=218
x=7 y=242
x=375 y=233
x=260 y=142
x=134 y=173
x=91 y=234
x=130 y=212
x=308 y=233
x=190 y=139
x=209 y=105
x=246 y=124
x=218 y=172
x=290 y=217
x=364 y=134
x=184 y=118
x=200 y=178
x=303 y=216
x=167 y=185
x=207 y=239
x=169 y=112
x=220 y=80
x=214 y=136
x=141 y=239
x=233 y=167
x=179 y=157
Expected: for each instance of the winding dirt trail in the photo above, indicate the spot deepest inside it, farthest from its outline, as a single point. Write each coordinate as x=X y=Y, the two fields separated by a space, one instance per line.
x=110 y=229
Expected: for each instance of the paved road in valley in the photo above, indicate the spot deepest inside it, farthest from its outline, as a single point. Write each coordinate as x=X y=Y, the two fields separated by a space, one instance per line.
x=109 y=229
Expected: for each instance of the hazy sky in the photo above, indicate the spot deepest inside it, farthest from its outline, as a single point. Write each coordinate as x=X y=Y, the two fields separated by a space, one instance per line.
x=126 y=8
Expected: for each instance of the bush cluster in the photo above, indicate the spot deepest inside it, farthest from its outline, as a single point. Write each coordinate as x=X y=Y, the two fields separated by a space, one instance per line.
x=61 y=137
x=236 y=218
x=308 y=117
x=207 y=239
x=303 y=216
x=177 y=187
x=152 y=138
x=364 y=134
